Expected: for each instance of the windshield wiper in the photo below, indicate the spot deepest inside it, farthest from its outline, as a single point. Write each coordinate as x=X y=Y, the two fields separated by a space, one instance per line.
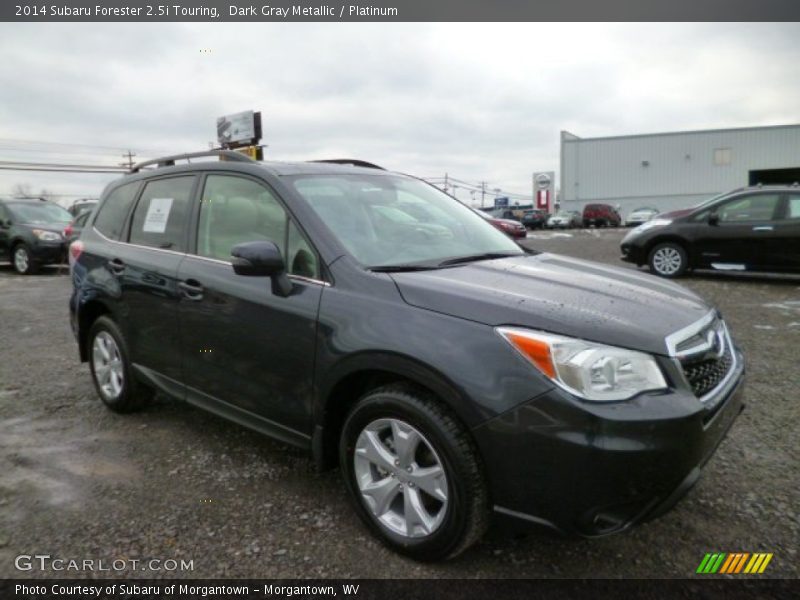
x=476 y=257
x=401 y=268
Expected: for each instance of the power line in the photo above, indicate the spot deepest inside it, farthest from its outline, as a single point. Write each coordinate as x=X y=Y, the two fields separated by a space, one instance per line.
x=60 y=170
x=74 y=145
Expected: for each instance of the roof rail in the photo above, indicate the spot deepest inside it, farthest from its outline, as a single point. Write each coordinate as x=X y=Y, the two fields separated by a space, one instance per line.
x=169 y=161
x=349 y=161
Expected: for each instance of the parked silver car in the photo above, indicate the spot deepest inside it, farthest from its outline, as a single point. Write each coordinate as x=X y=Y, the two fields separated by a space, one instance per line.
x=565 y=219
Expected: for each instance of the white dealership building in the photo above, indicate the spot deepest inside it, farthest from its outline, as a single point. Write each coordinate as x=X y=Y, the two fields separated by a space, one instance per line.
x=676 y=169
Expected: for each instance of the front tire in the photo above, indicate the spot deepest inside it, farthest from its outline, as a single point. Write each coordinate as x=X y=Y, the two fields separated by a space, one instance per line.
x=23 y=261
x=413 y=473
x=111 y=369
x=668 y=260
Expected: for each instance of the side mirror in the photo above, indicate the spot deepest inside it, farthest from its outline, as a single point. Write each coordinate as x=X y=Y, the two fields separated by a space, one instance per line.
x=713 y=219
x=262 y=259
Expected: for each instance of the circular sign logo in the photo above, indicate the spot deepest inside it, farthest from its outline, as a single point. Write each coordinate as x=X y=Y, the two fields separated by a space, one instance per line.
x=543 y=181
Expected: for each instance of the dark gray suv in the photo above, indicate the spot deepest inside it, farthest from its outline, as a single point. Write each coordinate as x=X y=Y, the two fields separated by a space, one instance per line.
x=454 y=376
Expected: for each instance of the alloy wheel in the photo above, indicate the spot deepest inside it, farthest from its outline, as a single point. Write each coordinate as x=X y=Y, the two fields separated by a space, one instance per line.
x=667 y=260
x=107 y=363
x=400 y=477
x=21 y=260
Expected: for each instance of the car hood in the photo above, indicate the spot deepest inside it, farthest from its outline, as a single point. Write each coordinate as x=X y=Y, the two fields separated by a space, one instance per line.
x=562 y=295
x=54 y=227
x=508 y=222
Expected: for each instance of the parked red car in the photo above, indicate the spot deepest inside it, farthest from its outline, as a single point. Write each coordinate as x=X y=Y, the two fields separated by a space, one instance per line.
x=601 y=215
x=513 y=229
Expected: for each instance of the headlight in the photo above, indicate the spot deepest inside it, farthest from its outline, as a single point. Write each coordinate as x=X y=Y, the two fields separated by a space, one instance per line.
x=652 y=224
x=588 y=370
x=47 y=236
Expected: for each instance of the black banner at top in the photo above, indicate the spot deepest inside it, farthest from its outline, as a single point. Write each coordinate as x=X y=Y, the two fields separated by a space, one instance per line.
x=398 y=10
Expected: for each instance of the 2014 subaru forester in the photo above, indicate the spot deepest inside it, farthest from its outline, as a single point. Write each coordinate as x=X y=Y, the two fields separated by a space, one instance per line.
x=377 y=322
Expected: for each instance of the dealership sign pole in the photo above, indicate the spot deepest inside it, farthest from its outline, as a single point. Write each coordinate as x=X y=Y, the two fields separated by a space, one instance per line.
x=543 y=192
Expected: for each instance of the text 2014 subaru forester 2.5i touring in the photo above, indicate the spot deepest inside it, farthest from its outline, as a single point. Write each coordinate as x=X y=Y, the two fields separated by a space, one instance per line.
x=379 y=323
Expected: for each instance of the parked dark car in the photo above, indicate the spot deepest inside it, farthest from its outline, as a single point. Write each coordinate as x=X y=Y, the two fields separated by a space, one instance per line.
x=452 y=378
x=601 y=215
x=73 y=231
x=31 y=233
x=534 y=218
x=82 y=205
x=749 y=229
x=513 y=229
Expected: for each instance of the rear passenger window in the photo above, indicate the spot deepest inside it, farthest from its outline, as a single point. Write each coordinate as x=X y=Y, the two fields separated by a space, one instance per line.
x=160 y=217
x=236 y=210
x=110 y=219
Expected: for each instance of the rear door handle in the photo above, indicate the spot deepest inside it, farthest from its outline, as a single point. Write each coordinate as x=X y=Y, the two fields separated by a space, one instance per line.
x=192 y=290
x=764 y=228
x=116 y=266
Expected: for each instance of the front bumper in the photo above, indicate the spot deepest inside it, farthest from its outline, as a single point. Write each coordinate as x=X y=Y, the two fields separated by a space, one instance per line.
x=593 y=470
x=48 y=252
x=632 y=253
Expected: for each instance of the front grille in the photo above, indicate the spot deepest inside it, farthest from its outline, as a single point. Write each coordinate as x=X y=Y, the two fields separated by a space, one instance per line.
x=704 y=375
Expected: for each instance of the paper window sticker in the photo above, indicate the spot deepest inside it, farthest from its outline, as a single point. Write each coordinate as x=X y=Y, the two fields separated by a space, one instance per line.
x=157 y=215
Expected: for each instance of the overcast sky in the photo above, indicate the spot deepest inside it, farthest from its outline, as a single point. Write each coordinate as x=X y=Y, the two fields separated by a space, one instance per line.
x=478 y=101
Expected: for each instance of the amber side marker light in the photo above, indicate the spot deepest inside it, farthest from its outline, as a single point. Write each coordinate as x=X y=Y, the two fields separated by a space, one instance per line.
x=537 y=351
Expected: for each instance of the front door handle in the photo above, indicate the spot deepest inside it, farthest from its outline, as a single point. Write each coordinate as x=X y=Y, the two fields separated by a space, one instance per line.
x=764 y=228
x=192 y=290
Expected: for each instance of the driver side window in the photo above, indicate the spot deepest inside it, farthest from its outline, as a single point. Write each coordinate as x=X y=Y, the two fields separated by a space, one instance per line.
x=757 y=207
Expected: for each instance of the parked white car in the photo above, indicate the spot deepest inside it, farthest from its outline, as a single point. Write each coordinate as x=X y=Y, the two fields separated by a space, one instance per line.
x=640 y=215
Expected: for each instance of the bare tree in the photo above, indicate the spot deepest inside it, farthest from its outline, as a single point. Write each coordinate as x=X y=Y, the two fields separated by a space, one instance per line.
x=22 y=190
x=47 y=195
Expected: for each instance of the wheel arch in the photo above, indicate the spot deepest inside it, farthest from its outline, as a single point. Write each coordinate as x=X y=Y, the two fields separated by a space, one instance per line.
x=675 y=239
x=89 y=312
x=354 y=377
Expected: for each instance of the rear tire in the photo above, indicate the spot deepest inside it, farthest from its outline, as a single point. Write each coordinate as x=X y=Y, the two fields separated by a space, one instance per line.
x=668 y=260
x=111 y=369
x=414 y=474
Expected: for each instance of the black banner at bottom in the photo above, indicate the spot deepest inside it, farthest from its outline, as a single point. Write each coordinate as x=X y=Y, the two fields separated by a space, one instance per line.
x=383 y=589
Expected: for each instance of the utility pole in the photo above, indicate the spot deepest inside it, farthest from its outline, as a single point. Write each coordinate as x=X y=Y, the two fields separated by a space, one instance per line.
x=445 y=183
x=128 y=163
x=483 y=192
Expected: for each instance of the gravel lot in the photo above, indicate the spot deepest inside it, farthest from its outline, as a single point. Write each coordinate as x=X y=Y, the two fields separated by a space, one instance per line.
x=78 y=481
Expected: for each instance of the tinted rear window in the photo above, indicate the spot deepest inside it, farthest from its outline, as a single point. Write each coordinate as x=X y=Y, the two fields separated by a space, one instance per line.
x=110 y=219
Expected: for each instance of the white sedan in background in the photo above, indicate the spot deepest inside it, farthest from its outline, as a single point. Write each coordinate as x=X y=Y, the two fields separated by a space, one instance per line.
x=640 y=215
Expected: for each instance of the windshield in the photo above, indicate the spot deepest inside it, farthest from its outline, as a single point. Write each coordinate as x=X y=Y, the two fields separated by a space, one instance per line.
x=389 y=220
x=710 y=200
x=36 y=214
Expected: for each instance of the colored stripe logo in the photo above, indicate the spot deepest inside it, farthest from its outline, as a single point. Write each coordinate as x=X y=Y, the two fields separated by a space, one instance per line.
x=734 y=563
